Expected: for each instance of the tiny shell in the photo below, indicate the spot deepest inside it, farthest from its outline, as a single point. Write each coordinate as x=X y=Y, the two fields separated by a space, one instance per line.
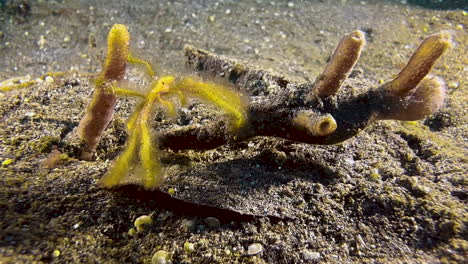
x=254 y=249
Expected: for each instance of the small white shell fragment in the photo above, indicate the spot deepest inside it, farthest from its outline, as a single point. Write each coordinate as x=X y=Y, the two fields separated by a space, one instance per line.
x=161 y=257
x=310 y=256
x=453 y=85
x=189 y=247
x=49 y=79
x=254 y=249
x=41 y=42
x=143 y=222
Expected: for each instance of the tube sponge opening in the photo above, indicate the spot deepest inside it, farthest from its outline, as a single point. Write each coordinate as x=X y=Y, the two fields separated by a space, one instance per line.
x=314 y=123
x=118 y=42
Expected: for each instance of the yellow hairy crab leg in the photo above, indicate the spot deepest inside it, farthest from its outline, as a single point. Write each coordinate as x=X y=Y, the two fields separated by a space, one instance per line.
x=122 y=165
x=220 y=96
x=125 y=92
x=149 y=161
x=149 y=69
x=152 y=169
x=152 y=175
x=140 y=140
x=161 y=87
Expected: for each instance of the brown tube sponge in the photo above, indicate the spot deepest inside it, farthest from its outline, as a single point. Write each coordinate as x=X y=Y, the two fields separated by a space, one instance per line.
x=101 y=108
x=425 y=99
x=341 y=64
x=420 y=63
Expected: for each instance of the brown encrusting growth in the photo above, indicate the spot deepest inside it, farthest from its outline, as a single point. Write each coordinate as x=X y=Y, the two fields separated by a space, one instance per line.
x=414 y=93
x=422 y=101
x=313 y=113
x=101 y=108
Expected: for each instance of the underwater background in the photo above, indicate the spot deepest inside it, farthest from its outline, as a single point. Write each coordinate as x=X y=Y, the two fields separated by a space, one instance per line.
x=395 y=193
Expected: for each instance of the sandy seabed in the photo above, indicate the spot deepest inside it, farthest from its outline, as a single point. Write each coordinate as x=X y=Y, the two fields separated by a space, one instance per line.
x=396 y=193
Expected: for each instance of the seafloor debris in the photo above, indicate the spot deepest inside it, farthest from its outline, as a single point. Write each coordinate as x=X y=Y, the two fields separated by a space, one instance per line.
x=254 y=249
x=314 y=113
x=168 y=92
x=317 y=113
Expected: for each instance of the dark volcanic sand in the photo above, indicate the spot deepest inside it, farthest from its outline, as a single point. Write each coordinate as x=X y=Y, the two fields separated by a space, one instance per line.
x=395 y=193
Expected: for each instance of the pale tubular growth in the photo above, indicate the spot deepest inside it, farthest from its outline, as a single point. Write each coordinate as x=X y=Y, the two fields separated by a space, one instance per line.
x=16 y=83
x=420 y=63
x=340 y=66
x=414 y=94
x=314 y=123
x=101 y=108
